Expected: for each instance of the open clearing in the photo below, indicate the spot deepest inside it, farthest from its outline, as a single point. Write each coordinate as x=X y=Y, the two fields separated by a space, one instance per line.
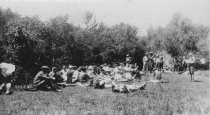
x=179 y=96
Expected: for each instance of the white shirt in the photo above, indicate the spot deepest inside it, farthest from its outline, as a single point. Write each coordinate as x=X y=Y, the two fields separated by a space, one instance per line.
x=145 y=59
x=75 y=75
x=64 y=75
x=7 y=69
x=191 y=59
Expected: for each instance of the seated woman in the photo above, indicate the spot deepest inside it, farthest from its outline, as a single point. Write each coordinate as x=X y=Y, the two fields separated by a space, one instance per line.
x=58 y=78
x=43 y=80
x=6 y=73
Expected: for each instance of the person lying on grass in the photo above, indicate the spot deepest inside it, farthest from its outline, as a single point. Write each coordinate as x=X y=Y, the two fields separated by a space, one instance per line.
x=6 y=73
x=42 y=80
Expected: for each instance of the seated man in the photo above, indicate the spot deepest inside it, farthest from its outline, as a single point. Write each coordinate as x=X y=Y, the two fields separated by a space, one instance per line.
x=43 y=80
x=7 y=71
x=54 y=74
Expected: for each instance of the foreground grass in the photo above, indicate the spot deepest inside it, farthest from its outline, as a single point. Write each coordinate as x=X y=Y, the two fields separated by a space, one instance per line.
x=179 y=96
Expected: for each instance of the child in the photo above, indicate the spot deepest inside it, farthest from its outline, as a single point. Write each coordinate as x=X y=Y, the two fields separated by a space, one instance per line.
x=157 y=74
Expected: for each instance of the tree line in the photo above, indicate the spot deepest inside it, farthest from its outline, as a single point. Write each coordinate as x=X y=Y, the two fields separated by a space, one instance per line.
x=30 y=42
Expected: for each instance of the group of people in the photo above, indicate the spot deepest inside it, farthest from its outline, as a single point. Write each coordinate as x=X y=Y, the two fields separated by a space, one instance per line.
x=152 y=61
x=101 y=76
x=96 y=76
x=181 y=63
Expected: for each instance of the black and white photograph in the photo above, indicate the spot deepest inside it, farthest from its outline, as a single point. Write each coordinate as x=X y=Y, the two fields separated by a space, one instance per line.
x=104 y=57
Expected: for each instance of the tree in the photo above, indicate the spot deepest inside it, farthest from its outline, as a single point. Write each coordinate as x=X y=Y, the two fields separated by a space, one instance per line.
x=22 y=41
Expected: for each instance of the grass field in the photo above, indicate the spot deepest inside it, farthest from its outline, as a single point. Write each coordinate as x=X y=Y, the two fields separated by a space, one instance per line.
x=179 y=96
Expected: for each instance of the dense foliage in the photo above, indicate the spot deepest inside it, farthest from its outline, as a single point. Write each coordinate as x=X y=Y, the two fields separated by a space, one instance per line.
x=30 y=42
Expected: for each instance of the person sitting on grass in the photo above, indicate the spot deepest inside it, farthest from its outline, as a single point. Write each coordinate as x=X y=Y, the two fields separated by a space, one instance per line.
x=63 y=73
x=6 y=73
x=54 y=74
x=58 y=78
x=157 y=76
x=43 y=80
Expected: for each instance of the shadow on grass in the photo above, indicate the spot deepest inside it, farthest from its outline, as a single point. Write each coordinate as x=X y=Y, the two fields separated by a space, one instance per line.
x=197 y=81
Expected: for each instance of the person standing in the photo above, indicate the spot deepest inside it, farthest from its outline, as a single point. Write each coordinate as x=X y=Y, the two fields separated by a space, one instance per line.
x=145 y=63
x=128 y=60
x=191 y=63
x=151 y=62
x=161 y=62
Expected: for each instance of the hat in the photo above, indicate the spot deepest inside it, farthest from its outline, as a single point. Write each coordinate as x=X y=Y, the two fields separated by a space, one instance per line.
x=190 y=53
x=70 y=66
x=54 y=68
x=45 y=67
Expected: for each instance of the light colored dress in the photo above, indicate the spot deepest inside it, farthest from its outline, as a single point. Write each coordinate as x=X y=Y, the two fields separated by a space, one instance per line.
x=7 y=69
x=64 y=75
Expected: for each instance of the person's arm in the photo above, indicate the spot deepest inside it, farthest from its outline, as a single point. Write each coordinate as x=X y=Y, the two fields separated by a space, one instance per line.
x=52 y=75
x=154 y=74
x=46 y=76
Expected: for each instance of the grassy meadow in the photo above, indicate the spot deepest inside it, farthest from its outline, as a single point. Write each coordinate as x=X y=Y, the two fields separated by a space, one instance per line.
x=179 y=96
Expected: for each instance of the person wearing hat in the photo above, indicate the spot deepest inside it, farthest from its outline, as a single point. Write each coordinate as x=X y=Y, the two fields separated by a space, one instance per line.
x=43 y=80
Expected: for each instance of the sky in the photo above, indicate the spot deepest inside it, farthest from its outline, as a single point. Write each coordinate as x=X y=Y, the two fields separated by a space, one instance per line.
x=140 y=13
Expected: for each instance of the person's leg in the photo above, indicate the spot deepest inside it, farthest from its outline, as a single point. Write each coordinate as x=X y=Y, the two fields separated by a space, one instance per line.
x=8 y=84
x=38 y=85
x=2 y=85
x=3 y=80
x=191 y=71
x=143 y=69
x=146 y=68
x=161 y=66
x=53 y=86
x=157 y=66
x=8 y=88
